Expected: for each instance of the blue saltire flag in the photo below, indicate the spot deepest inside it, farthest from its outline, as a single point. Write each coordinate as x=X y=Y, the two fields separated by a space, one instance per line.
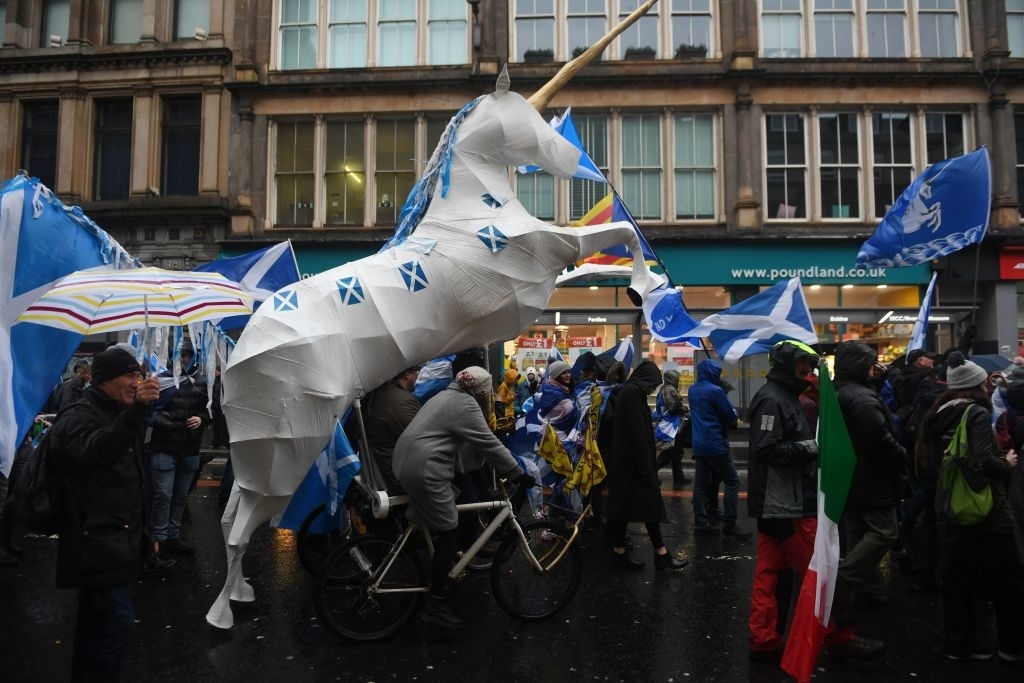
x=755 y=325
x=667 y=317
x=921 y=324
x=553 y=355
x=260 y=273
x=622 y=352
x=326 y=482
x=41 y=241
x=945 y=209
x=587 y=169
x=434 y=376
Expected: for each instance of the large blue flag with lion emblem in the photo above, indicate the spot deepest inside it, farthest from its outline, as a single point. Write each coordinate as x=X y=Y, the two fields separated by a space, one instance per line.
x=945 y=209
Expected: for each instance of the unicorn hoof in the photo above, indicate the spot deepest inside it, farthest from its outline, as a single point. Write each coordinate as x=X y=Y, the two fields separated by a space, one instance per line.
x=243 y=592
x=222 y=619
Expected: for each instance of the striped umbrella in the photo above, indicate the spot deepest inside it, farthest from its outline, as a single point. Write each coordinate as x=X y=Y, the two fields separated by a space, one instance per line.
x=104 y=300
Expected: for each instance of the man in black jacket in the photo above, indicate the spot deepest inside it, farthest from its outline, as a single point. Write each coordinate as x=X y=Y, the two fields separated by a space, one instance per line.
x=97 y=450
x=870 y=516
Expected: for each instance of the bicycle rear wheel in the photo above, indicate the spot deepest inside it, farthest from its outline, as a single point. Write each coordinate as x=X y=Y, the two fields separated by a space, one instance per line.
x=522 y=590
x=313 y=544
x=344 y=598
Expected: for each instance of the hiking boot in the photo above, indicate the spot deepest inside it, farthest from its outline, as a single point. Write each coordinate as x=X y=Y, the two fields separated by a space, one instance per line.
x=156 y=565
x=977 y=655
x=734 y=531
x=624 y=561
x=669 y=561
x=178 y=546
x=706 y=530
x=438 y=613
x=857 y=648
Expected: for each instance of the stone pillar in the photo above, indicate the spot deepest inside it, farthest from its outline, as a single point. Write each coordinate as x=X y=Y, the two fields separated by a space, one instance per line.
x=209 y=145
x=76 y=122
x=145 y=142
x=240 y=158
x=148 y=33
x=9 y=122
x=747 y=214
x=1003 y=152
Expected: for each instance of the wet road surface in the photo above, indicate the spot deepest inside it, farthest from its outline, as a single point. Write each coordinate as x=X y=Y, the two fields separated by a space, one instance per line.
x=621 y=626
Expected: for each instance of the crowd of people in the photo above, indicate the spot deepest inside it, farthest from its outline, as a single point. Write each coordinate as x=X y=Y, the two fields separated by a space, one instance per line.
x=129 y=449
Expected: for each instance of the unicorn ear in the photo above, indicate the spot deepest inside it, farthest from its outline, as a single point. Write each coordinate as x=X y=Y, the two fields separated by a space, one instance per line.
x=504 y=82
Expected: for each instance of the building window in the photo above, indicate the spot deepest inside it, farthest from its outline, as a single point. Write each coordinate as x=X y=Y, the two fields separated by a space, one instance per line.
x=536 y=192
x=839 y=152
x=190 y=17
x=3 y=18
x=583 y=194
x=1015 y=27
x=1018 y=133
x=586 y=22
x=182 y=126
x=56 y=18
x=640 y=39
x=39 y=140
x=298 y=34
x=834 y=33
x=691 y=28
x=535 y=30
x=944 y=136
x=396 y=33
x=395 y=173
x=887 y=28
x=125 y=21
x=446 y=32
x=345 y=173
x=786 y=166
x=112 y=167
x=347 y=31
x=641 y=165
x=780 y=28
x=938 y=25
x=294 y=177
x=893 y=158
x=694 y=166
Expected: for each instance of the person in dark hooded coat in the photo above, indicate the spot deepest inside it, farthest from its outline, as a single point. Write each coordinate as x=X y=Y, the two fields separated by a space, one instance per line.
x=870 y=516
x=634 y=492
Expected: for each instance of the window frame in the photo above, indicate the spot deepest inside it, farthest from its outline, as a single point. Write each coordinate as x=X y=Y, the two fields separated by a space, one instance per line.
x=99 y=131
x=31 y=134
x=171 y=143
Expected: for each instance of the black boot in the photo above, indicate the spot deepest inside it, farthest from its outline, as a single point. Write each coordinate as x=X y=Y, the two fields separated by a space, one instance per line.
x=624 y=561
x=669 y=561
x=437 y=612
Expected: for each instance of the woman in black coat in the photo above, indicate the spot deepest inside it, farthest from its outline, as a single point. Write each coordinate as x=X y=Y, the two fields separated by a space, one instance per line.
x=634 y=493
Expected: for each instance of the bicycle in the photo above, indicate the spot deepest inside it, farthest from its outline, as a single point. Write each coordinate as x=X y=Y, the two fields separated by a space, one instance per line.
x=371 y=586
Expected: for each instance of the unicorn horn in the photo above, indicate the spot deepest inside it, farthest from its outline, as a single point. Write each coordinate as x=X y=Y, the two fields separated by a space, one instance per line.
x=546 y=92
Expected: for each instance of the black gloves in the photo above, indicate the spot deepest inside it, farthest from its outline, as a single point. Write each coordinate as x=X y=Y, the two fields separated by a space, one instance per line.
x=525 y=481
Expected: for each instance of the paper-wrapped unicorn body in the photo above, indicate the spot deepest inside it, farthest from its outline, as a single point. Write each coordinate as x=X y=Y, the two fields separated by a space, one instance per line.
x=476 y=268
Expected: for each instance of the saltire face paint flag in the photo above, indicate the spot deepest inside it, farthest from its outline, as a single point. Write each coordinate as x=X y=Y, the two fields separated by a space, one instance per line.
x=587 y=169
x=836 y=460
x=260 y=273
x=755 y=325
x=917 y=335
x=326 y=482
x=945 y=209
x=41 y=241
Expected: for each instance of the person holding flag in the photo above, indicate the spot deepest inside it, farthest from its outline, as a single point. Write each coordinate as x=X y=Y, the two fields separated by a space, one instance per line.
x=782 y=497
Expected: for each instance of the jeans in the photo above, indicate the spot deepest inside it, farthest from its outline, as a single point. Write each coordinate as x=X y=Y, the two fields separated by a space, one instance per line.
x=103 y=629
x=726 y=470
x=172 y=477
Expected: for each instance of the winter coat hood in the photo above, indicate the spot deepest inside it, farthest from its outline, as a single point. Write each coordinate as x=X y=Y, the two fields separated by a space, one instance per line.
x=709 y=371
x=647 y=376
x=853 y=360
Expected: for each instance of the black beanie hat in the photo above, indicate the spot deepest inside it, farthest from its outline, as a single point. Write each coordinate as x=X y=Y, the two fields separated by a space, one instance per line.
x=112 y=363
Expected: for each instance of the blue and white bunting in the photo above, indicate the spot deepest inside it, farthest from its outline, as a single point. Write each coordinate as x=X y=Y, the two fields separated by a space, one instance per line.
x=917 y=335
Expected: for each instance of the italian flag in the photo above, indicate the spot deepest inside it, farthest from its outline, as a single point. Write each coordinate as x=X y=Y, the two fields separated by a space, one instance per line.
x=836 y=460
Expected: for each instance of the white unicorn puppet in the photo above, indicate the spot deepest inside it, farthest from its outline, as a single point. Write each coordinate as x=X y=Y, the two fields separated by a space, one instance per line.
x=475 y=268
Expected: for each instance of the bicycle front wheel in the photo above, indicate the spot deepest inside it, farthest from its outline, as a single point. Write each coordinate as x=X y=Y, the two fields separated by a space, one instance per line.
x=344 y=596
x=526 y=592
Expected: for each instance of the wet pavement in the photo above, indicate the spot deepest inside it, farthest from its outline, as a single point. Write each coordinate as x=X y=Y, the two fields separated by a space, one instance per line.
x=642 y=626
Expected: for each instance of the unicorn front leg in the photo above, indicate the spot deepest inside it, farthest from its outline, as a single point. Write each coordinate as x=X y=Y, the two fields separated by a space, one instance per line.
x=594 y=238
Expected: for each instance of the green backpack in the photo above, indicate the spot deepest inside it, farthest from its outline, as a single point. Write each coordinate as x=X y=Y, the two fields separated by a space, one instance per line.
x=961 y=502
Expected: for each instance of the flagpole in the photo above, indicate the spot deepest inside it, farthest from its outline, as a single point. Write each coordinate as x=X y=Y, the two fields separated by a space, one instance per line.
x=974 y=292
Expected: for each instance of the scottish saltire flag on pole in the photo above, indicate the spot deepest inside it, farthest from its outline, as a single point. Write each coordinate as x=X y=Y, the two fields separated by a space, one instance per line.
x=921 y=324
x=667 y=317
x=326 y=482
x=587 y=169
x=622 y=352
x=755 y=325
x=945 y=209
x=836 y=460
x=260 y=273
x=41 y=241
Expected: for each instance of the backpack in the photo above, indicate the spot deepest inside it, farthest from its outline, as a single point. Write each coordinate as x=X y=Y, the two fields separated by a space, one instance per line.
x=961 y=502
x=36 y=498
